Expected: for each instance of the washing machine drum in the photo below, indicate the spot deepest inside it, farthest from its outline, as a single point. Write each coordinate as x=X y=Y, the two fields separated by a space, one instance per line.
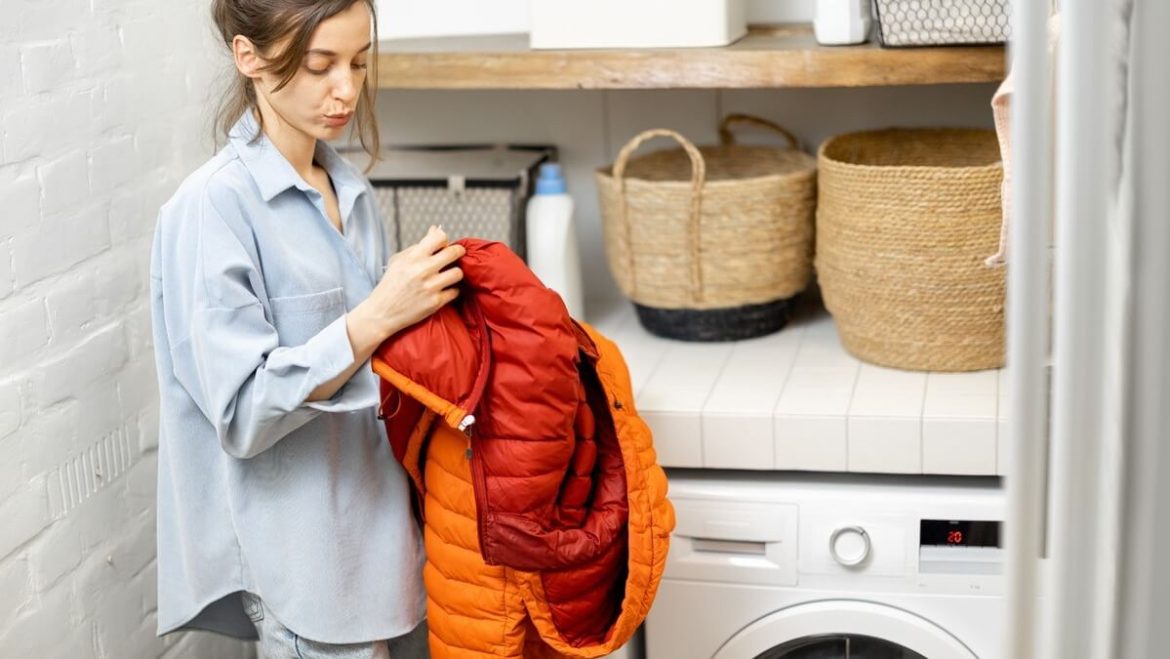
x=843 y=629
x=840 y=647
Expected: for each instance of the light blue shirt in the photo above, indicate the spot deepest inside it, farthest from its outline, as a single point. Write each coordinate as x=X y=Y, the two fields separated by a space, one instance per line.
x=259 y=490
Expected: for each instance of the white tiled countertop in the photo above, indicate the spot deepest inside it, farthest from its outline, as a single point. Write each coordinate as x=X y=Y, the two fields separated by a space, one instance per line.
x=795 y=400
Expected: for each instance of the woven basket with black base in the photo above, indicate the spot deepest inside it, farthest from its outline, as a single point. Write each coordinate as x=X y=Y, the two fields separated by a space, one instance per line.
x=905 y=220
x=710 y=243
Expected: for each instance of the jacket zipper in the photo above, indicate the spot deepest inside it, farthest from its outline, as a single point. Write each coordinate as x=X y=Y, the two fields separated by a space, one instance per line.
x=477 y=484
x=465 y=428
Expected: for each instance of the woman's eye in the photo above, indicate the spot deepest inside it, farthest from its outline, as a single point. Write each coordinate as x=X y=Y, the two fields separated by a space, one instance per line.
x=361 y=65
x=318 y=65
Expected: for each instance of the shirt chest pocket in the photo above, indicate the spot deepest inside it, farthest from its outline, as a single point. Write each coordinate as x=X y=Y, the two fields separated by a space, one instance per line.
x=298 y=318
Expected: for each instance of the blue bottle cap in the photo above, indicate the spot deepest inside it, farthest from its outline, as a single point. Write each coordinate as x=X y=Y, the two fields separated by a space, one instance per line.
x=550 y=180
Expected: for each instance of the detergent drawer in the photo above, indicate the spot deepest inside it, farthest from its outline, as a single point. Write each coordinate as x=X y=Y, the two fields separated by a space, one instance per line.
x=734 y=542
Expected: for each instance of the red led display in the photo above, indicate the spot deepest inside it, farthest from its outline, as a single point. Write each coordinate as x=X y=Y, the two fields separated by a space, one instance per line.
x=958 y=533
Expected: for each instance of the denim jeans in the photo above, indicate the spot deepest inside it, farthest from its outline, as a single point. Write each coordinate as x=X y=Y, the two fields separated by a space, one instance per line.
x=279 y=642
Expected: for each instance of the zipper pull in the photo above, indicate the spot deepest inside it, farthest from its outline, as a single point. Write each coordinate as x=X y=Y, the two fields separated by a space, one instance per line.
x=465 y=428
x=466 y=423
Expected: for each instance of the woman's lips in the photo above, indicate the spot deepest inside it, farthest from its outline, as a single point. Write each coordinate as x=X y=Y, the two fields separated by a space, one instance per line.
x=338 y=120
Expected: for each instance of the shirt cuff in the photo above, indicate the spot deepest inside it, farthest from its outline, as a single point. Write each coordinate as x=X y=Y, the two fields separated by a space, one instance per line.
x=335 y=355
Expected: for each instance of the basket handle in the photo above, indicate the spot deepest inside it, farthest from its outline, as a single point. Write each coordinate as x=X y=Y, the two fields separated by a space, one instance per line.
x=728 y=138
x=698 y=178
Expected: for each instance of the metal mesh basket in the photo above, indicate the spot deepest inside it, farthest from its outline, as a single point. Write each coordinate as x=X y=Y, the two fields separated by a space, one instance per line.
x=472 y=191
x=942 y=22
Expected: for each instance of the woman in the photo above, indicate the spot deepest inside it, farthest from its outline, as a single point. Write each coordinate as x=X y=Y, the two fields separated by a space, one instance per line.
x=281 y=511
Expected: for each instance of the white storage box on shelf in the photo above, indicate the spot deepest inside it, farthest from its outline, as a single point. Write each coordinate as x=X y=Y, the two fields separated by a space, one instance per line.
x=636 y=23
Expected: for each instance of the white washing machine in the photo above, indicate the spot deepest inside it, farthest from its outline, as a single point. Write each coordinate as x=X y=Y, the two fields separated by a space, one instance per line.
x=831 y=567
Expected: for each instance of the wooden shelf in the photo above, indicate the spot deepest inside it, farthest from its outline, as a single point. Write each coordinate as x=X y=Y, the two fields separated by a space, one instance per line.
x=774 y=56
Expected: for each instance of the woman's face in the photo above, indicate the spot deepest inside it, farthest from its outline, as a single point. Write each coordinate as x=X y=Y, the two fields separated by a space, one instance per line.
x=321 y=97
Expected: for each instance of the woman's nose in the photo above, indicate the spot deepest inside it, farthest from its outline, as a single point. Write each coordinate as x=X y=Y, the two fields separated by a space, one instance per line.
x=345 y=89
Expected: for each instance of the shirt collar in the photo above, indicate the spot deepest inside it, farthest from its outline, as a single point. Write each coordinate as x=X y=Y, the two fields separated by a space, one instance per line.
x=273 y=173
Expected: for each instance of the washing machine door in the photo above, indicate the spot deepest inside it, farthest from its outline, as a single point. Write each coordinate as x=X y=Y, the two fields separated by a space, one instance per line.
x=843 y=629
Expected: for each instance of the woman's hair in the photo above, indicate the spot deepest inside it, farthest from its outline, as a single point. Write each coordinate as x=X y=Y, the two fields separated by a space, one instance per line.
x=266 y=23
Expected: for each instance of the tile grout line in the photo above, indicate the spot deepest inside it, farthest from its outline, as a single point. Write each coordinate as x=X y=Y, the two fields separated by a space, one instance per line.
x=922 y=426
x=849 y=408
x=706 y=399
x=783 y=388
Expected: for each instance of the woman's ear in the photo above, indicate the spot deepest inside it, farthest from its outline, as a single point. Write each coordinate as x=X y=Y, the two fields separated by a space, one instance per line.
x=248 y=61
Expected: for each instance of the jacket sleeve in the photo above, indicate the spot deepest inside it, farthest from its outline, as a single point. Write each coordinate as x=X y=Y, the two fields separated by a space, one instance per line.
x=227 y=354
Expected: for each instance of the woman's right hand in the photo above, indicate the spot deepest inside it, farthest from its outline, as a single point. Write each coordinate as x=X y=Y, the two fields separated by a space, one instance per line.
x=417 y=283
x=414 y=286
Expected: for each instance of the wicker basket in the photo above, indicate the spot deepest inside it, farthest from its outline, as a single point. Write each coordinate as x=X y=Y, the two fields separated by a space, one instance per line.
x=905 y=218
x=710 y=243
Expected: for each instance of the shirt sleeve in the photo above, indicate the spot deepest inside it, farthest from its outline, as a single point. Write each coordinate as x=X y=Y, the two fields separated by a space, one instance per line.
x=229 y=358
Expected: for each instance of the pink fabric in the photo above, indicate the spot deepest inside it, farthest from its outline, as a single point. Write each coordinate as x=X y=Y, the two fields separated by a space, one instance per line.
x=1001 y=112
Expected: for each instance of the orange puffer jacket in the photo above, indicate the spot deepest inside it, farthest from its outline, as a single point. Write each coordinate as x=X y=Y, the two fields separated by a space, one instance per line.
x=546 y=517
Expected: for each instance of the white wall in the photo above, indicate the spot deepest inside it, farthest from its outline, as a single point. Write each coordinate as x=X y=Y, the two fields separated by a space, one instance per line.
x=590 y=127
x=101 y=114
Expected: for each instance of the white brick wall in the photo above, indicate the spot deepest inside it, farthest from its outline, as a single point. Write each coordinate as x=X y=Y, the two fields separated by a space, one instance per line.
x=103 y=110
